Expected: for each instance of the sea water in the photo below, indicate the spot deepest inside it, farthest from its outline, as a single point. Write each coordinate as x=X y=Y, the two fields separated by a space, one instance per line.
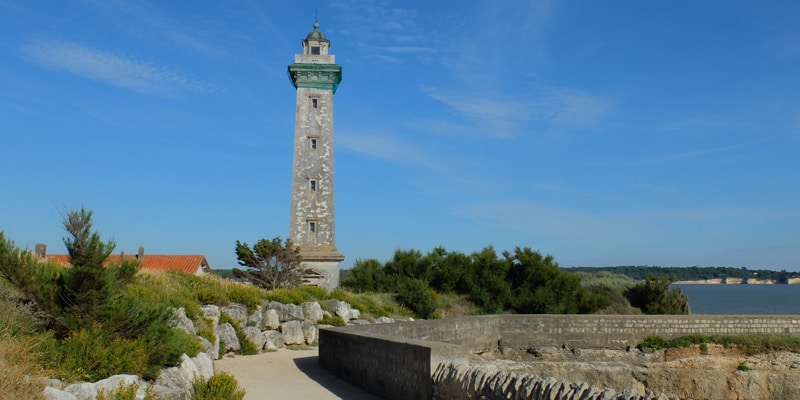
x=742 y=299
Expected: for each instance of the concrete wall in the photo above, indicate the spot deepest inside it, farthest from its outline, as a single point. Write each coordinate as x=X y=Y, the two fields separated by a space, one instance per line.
x=395 y=361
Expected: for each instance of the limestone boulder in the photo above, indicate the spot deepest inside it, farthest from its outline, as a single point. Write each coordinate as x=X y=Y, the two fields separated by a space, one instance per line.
x=342 y=309
x=236 y=311
x=51 y=393
x=227 y=336
x=309 y=331
x=211 y=312
x=255 y=336
x=312 y=311
x=292 y=332
x=384 y=320
x=87 y=390
x=255 y=318
x=178 y=377
x=273 y=340
x=270 y=320
x=287 y=312
x=205 y=365
x=182 y=322
x=209 y=348
x=292 y=312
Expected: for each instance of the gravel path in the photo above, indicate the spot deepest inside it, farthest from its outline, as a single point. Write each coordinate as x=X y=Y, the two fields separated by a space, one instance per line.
x=288 y=374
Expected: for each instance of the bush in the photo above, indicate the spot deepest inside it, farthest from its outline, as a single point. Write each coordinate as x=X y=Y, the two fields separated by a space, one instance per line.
x=248 y=295
x=334 y=320
x=750 y=344
x=653 y=296
x=91 y=354
x=418 y=297
x=654 y=342
x=222 y=386
x=285 y=296
x=742 y=367
x=376 y=304
x=168 y=289
x=35 y=280
x=205 y=329
x=126 y=393
x=246 y=347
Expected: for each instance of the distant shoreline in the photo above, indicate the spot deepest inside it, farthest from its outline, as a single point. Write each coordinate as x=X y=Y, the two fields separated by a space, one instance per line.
x=738 y=281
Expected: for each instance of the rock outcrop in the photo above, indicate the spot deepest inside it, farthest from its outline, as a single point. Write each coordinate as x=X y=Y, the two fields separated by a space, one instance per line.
x=271 y=326
x=491 y=381
x=567 y=373
x=174 y=383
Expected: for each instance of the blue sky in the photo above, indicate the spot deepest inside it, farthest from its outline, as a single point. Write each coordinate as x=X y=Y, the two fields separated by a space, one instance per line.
x=601 y=132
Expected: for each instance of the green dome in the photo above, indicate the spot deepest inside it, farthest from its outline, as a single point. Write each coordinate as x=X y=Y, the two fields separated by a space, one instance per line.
x=316 y=35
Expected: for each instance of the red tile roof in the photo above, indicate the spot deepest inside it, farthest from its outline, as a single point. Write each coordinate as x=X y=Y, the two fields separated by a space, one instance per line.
x=154 y=262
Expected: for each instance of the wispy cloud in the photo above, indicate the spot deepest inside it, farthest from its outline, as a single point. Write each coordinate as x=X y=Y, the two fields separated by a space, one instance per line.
x=678 y=156
x=504 y=117
x=387 y=146
x=112 y=69
x=141 y=20
x=387 y=31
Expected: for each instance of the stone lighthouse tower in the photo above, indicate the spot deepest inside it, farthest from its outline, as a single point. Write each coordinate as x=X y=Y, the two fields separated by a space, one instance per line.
x=312 y=227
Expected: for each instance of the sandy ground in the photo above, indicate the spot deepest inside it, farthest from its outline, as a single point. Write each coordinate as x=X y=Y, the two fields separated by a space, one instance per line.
x=288 y=374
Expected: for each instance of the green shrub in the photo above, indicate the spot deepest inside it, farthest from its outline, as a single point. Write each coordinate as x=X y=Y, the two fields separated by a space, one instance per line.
x=92 y=354
x=205 y=329
x=654 y=342
x=418 y=296
x=703 y=348
x=35 y=280
x=248 y=295
x=742 y=367
x=203 y=289
x=653 y=296
x=246 y=347
x=377 y=304
x=285 y=296
x=334 y=320
x=222 y=386
x=165 y=346
x=311 y=293
x=222 y=347
x=750 y=344
x=223 y=318
x=167 y=289
x=126 y=393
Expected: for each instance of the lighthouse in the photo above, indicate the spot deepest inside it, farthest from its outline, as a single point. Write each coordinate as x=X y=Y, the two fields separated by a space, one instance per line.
x=316 y=76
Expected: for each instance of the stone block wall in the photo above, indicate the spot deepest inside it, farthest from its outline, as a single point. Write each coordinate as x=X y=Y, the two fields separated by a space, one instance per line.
x=395 y=361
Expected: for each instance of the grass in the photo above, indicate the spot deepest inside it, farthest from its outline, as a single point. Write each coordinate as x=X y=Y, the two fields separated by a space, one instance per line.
x=19 y=340
x=611 y=286
x=20 y=366
x=749 y=344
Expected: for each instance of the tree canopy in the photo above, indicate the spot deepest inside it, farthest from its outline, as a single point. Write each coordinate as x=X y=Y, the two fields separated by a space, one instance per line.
x=522 y=281
x=271 y=264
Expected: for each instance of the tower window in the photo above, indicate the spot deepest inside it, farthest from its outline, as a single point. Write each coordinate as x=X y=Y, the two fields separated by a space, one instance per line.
x=314 y=103
x=313 y=143
x=312 y=226
x=315 y=50
x=312 y=184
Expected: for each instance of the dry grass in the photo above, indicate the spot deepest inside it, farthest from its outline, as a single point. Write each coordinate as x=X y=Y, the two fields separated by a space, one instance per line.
x=21 y=377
